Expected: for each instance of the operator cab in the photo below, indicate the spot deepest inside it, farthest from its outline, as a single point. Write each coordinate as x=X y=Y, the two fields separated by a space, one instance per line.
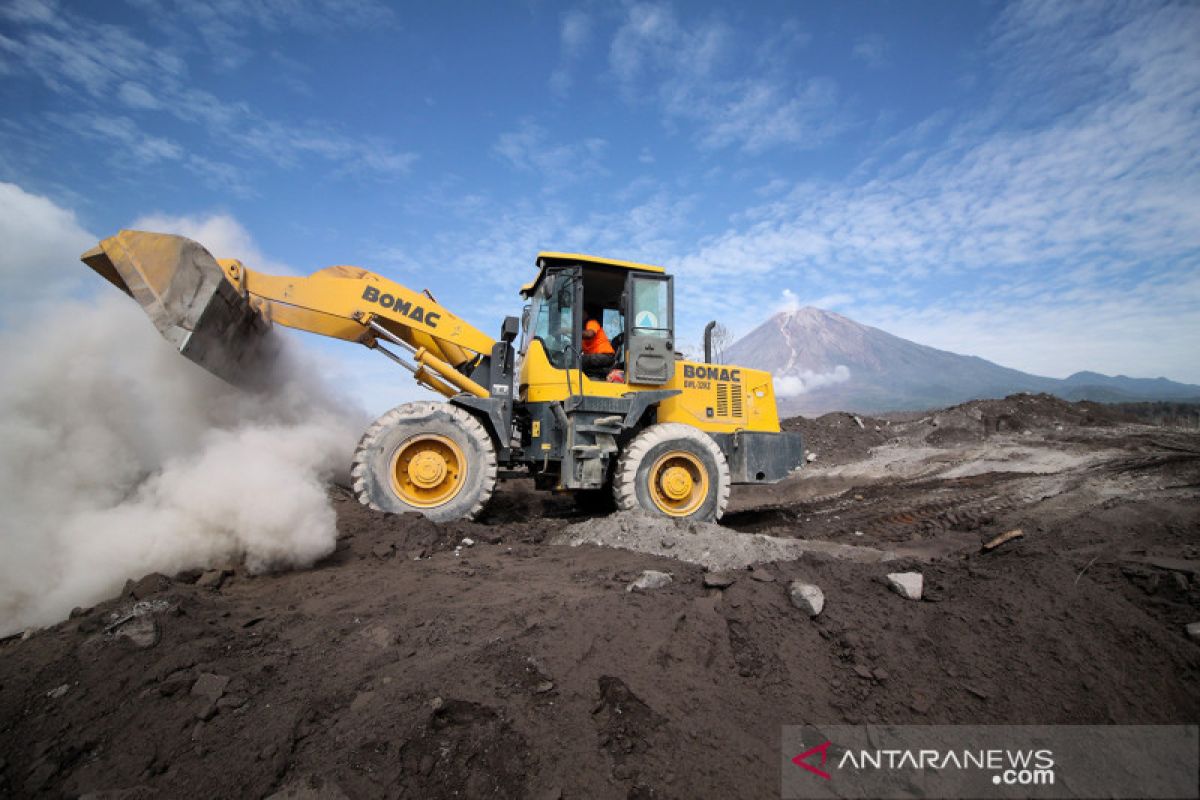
x=610 y=320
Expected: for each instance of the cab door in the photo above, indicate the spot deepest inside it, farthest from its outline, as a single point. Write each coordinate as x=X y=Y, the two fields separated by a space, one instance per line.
x=650 y=324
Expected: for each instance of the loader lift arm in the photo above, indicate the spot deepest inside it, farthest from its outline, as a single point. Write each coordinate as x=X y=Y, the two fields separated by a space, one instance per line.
x=218 y=312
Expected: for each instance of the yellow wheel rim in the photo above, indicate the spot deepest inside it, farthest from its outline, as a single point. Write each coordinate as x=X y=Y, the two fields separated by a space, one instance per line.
x=678 y=483
x=428 y=470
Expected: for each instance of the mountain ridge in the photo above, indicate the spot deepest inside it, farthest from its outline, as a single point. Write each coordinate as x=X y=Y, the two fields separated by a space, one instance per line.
x=824 y=361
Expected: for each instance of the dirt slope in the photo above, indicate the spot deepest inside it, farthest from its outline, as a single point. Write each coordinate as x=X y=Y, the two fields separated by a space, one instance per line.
x=514 y=668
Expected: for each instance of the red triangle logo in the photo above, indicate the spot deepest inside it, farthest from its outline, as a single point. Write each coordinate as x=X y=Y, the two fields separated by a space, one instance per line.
x=802 y=759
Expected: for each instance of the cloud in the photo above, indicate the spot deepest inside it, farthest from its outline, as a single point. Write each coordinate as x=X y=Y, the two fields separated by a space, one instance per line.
x=230 y=30
x=1075 y=223
x=137 y=96
x=807 y=380
x=220 y=233
x=90 y=62
x=575 y=31
x=692 y=72
x=529 y=148
x=42 y=245
x=871 y=49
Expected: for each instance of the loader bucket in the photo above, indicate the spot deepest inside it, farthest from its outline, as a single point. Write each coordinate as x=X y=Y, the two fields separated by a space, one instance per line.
x=184 y=291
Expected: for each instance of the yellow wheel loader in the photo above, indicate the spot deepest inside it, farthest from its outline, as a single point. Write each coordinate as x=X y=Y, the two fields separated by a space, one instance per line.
x=595 y=401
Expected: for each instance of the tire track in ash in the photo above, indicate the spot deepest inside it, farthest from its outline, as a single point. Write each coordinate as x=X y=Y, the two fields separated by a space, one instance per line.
x=891 y=512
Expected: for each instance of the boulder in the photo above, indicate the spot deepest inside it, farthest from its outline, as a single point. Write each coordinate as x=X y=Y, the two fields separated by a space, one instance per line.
x=650 y=579
x=718 y=580
x=210 y=686
x=807 y=597
x=908 y=585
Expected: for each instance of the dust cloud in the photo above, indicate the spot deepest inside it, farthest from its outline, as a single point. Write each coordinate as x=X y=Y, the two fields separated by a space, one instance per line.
x=118 y=458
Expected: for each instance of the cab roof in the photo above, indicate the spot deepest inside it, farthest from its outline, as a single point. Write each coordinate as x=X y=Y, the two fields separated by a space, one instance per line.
x=550 y=259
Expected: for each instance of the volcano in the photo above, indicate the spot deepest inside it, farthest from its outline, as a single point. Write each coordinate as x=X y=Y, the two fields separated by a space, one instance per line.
x=823 y=361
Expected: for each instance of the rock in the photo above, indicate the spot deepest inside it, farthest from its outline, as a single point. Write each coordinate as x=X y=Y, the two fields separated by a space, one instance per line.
x=58 y=691
x=188 y=575
x=468 y=541
x=863 y=672
x=207 y=710
x=858 y=421
x=210 y=686
x=148 y=585
x=650 y=579
x=232 y=701
x=811 y=457
x=383 y=550
x=543 y=687
x=761 y=575
x=142 y=632
x=437 y=704
x=980 y=693
x=1193 y=630
x=906 y=584
x=212 y=579
x=718 y=580
x=807 y=597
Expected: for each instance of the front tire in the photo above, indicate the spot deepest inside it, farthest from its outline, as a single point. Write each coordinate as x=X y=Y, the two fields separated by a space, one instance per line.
x=432 y=458
x=673 y=470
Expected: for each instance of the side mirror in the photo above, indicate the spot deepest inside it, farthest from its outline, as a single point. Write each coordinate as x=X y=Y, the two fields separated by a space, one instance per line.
x=525 y=317
x=508 y=330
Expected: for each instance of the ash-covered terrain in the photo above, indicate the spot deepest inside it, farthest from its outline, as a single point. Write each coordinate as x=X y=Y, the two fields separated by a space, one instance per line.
x=509 y=657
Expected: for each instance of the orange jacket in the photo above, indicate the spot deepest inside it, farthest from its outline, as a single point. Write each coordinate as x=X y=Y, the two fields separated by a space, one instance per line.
x=597 y=344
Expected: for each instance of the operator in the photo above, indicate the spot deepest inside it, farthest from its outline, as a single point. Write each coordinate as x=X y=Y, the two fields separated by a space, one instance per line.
x=598 y=353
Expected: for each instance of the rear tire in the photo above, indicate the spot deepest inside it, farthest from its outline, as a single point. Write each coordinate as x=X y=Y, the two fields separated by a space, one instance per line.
x=432 y=458
x=673 y=470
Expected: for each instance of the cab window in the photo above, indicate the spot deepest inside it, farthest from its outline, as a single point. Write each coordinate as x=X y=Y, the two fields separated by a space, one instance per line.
x=552 y=319
x=651 y=310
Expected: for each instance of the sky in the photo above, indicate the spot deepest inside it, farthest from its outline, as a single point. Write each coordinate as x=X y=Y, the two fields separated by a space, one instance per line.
x=1018 y=181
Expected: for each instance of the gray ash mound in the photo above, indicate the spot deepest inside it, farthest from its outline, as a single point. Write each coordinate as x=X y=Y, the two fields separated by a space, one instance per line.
x=840 y=437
